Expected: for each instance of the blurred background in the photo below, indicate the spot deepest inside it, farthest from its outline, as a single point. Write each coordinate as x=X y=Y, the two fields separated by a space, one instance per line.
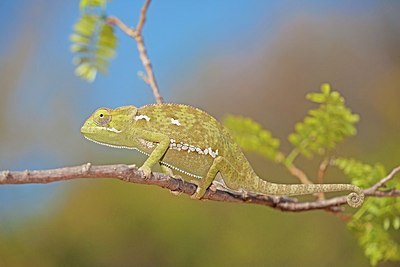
x=253 y=58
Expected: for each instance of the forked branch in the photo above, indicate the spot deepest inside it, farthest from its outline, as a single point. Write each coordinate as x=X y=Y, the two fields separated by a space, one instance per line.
x=136 y=34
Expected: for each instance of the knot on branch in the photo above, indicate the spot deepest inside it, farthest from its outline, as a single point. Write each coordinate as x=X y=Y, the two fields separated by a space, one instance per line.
x=4 y=175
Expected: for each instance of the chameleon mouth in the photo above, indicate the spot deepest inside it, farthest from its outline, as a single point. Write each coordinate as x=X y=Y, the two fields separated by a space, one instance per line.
x=115 y=146
x=88 y=130
x=84 y=129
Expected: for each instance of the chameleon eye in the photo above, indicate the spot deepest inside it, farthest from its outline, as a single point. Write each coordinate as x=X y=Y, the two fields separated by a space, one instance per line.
x=102 y=117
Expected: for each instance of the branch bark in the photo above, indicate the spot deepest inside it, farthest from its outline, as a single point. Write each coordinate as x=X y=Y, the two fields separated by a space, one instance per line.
x=131 y=174
x=136 y=34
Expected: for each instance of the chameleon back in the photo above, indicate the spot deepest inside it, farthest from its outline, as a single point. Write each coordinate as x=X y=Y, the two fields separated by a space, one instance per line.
x=196 y=137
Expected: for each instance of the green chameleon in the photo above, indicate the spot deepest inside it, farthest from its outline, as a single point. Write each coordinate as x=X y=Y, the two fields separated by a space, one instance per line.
x=190 y=141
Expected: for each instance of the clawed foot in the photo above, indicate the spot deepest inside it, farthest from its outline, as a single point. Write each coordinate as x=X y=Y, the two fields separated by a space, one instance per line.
x=213 y=188
x=167 y=170
x=175 y=193
x=198 y=194
x=146 y=171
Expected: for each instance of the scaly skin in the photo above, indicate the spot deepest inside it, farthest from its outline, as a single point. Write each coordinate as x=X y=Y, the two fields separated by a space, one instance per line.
x=192 y=142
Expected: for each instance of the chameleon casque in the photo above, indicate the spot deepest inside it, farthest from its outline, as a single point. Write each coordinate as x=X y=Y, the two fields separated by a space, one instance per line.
x=188 y=140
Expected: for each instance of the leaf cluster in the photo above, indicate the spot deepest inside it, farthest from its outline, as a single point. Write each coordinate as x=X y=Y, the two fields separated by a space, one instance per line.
x=378 y=218
x=375 y=225
x=325 y=126
x=93 y=40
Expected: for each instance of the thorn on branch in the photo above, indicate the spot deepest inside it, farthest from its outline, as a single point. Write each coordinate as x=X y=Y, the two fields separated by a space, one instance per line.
x=86 y=167
x=143 y=76
x=4 y=175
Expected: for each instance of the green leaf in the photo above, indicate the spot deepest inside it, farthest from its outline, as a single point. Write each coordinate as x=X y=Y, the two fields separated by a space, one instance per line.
x=396 y=223
x=94 y=44
x=86 y=26
x=325 y=126
x=79 y=39
x=252 y=137
x=86 y=71
x=386 y=224
x=77 y=48
x=92 y=3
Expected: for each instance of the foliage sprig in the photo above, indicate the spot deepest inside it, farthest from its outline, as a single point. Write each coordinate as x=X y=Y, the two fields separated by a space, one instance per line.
x=378 y=220
x=93 y=40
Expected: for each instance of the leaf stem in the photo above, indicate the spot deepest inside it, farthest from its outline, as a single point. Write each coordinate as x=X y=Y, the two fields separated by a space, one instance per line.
x=291 y=157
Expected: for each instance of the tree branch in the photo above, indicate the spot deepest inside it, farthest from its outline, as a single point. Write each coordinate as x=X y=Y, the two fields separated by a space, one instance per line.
x=131 y=174
x=136 y=34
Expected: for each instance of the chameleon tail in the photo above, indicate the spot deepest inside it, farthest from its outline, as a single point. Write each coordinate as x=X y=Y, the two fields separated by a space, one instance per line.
x=354 y=199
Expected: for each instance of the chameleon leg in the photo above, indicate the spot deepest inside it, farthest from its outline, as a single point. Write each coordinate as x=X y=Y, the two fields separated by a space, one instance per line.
x=231 y=180
x=169 y=172
x=207 y=180
x=166 y=170
x=219 y=165
x=157 y=154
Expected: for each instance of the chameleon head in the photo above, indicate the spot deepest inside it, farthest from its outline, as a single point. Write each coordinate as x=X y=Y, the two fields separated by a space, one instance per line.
x=106 y=126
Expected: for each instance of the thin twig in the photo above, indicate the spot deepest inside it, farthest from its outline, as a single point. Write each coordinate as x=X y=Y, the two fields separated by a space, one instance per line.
x=137 y=35
x=133 y=175
x=142 y=18
x=299 y=174
x=382 y=182
x=323 y=167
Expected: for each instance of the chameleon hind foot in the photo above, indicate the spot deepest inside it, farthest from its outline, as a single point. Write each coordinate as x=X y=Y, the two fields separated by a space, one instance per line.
x=175 y=193
x=166 y=170
x=208 y=179
x=199 y=193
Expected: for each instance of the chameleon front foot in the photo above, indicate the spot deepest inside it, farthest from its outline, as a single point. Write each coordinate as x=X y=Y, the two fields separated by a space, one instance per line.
x=146 y=171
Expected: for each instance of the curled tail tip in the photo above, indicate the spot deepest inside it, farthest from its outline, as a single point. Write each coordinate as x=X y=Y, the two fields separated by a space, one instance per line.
x=355 y=199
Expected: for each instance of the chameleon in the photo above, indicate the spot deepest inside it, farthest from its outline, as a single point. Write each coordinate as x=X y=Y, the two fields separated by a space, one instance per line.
x=191 y=142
